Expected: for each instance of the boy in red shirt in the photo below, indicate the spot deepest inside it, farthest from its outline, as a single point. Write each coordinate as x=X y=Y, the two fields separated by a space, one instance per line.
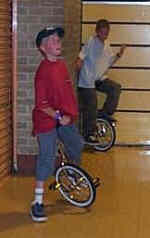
x=54 y=96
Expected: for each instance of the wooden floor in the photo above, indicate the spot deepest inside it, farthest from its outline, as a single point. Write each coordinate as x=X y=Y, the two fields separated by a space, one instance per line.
x=121 y=210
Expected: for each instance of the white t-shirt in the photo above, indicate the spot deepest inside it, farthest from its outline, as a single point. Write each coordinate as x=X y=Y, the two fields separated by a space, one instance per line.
x=98 y=57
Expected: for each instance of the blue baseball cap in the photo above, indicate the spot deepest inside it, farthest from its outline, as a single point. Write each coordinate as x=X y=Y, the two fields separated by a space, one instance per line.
x=47 y=32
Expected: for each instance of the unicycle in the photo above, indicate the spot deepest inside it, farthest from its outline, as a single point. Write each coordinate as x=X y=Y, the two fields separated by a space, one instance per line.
x=105 y=131
x=73 y=182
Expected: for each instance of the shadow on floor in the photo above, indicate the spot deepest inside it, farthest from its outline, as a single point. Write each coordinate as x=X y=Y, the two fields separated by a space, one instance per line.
x=63 y=207
x=12 y=220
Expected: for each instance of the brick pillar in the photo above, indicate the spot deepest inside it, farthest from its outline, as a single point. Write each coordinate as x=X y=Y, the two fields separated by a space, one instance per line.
x=72 y=24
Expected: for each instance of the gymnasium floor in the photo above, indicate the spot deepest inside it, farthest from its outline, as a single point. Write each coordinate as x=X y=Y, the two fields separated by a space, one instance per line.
x=121 y=209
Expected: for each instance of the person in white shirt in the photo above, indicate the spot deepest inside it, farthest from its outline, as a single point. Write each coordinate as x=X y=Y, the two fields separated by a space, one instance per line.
x=92 y=64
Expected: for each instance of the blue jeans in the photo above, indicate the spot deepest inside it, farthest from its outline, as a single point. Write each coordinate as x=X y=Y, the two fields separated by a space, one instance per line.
x=73 y=145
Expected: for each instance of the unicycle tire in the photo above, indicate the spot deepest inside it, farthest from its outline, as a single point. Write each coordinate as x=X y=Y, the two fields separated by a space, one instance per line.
x=106 y=135
x=83 y=192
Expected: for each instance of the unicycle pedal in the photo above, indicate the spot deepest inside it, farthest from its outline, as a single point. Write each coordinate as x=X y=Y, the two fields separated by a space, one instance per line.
x=53 y=186
x=96 y=182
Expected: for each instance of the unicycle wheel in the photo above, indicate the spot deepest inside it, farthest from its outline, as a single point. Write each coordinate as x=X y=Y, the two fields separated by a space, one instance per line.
x=106 y=135
x=76 y=185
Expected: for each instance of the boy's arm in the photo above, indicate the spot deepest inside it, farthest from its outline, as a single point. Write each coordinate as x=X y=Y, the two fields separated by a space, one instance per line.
x=116 y=57
x=82 y=54
x=63 y=120
x=78 y=64
x=119 y=54
x=41 y=101
x=80 y=58
x=111 y=60
x=50 y=111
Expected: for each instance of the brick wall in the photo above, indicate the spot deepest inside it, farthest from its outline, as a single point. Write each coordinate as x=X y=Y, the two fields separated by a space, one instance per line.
x=34 y=15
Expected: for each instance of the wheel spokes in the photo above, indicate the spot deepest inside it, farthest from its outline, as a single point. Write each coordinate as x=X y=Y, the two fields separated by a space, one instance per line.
x=79 y=191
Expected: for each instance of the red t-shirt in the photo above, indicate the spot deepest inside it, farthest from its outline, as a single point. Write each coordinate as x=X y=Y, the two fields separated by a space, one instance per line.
x=53 y=88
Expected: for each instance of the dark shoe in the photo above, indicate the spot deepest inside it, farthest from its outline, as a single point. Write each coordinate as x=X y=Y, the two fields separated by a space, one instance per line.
x=110 y=118
x=106 y=116
x=37 y=212
x=92 y=140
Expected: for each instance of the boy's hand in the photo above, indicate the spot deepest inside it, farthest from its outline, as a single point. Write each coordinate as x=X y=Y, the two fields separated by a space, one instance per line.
x=78 y=64
x=65 y=120
x=122 y=48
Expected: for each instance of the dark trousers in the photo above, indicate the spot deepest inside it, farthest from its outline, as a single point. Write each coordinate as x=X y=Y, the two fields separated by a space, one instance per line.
x=112 y=90
x=88 y=103
x=88 y=110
